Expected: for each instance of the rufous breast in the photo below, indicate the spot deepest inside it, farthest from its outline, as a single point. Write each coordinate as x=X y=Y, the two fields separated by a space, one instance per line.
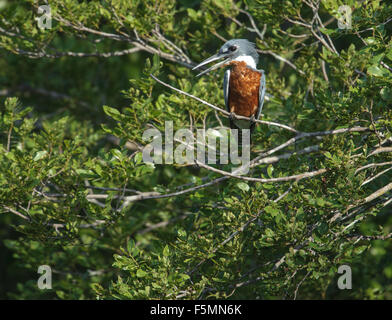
x=243 y=89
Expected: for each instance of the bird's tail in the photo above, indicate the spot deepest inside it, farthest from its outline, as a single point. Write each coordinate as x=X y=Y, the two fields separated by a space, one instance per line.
x=241 y=132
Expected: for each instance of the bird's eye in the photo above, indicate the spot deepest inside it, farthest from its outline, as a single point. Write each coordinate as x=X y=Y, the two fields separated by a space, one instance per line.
x=232 y=48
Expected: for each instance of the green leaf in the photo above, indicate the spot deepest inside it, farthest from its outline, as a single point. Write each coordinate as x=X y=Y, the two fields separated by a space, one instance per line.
x=83 y=173
x=328 y=154
x=270 y=170
x=243 y=186
x=327 y=31
x=386 y=94
x=377 y=71
x=39 y=155
x=111 y=112
x=166 y=251
x=271 y=210
x=131 y=246
x=140 y=273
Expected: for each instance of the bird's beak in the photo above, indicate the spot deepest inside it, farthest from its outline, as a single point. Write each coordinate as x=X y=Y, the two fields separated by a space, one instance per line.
x=215 y=57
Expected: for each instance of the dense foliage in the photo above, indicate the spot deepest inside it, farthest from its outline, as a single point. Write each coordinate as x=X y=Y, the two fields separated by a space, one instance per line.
x=76 y=195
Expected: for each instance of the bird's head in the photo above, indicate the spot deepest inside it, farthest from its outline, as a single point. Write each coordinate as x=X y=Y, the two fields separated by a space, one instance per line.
x=232 y=50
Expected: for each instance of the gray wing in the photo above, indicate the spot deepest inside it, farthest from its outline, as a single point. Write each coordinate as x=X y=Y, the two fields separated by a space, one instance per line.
x=261 y=93
x=226 y=81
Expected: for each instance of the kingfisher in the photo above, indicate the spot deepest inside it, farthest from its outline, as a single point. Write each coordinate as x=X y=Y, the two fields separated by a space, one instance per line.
x=243 y=84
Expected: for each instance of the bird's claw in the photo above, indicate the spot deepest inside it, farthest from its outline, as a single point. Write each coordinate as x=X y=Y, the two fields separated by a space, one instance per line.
x=232 y=116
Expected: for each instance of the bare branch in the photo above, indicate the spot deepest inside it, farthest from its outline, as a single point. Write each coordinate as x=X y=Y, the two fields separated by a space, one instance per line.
x=375 y=176
x=378 y=193
x=372 y=165
x=280 y=179
x=16 y=213
x=42 y=54
x=380 y=150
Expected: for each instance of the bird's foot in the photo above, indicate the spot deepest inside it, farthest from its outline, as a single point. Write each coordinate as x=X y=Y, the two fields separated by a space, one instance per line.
x=232 y=116
x=252 y=119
